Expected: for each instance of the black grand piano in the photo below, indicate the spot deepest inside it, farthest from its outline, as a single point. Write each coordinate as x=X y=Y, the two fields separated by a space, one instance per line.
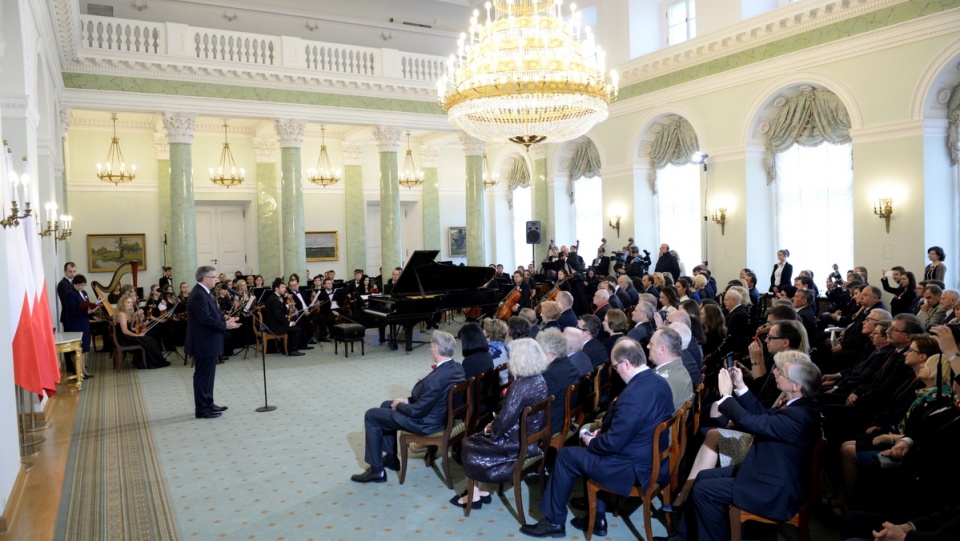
x=426 y=288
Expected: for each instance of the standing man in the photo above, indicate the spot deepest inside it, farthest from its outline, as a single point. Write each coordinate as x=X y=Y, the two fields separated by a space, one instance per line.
x=167 y=278
x=668 y=262
x=65 y=287
x=205 y=332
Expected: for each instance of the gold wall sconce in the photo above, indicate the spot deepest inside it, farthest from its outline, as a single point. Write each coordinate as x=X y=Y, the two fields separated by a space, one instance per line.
x=884 y=209
x=720 y=217
x=615 y=224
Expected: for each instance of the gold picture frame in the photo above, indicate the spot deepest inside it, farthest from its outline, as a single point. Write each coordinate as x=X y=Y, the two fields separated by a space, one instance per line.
x=322 y=246
x=107 y=252
x=457 y=237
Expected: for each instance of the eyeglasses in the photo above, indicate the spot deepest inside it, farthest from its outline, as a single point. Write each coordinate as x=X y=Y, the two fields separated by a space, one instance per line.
x=772 y=337
x=777 y=373
x=911 y=350
x=891 y=330
x=614 y=365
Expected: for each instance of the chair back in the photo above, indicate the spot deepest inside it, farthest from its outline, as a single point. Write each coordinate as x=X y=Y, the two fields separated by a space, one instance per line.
x=697 y=406
x=459 y=404
x=486 y=395
x=542 y=437
x=669 y=450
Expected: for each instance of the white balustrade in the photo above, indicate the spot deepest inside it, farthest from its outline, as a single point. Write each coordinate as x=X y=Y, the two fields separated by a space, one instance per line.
x=102 y=34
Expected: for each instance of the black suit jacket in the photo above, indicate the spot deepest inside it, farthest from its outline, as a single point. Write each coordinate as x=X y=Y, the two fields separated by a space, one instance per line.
x=426 y=409
x=164 y=281
x=559 y=375
x=772 y=480
x=738 y=329
x=567 y=319
x=275 y=315
x=615 y=302
x=786 y=277
x=633 y=294
x=205 y=325
x=625 y=297
x=668 y=263
x=808 y=318
x=64 y=287
x=595 y=350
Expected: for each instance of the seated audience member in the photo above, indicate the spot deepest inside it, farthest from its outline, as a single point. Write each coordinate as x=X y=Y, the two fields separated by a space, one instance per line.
x=489 y=457
x=601 y=299
x=783 y=335
x=803 y=301
x=841 y=384
x=644 y=325
x=710 y=289
x=517 y=328
x=560 y=374
x=669 y=299
x=615 y=325
x=476 y=351
x=566 y=318
x=575 y=340
x=773 y=479
x=948 y=300
x=423 y=412
x=714 y=327
x=592 y=346
x=665 y=348
x=496 y=332
x=852 y=341
x=737 y=322
x=625 y=286
x=612 y=297
x=549 y=312
x=647 y=281
x=931 y=311
x=693 y=355
x=531 y=316
x=618 y=455
x=686 y=291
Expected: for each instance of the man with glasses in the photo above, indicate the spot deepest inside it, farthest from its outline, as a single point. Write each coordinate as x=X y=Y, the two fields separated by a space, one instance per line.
x=852 y=341
x=784 y=335
x=205 y=333
x=665 y=347
x=772 y=480
x=844 y=383
x=618 y=455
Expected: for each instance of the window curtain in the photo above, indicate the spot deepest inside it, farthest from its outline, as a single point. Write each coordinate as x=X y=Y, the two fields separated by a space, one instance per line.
x=519 y=177
x=810 y=119
x=585 y=163
x=953 y=132
x=675 y=144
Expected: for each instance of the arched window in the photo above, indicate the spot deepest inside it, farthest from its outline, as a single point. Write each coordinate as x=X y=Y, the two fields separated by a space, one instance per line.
x=813 y=181
x=678 y=208
x=522 y=213
x=588 y=212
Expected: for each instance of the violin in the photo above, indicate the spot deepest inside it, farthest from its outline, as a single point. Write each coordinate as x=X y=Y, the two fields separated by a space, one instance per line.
x=139 y=326
x=552 y=294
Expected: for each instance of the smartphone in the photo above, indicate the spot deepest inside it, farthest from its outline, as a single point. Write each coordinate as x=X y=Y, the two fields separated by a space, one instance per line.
x=728 y=361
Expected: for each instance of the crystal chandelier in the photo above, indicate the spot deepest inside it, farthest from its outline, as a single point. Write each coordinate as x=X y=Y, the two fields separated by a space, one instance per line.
x=410 y=176
x=324 y=174
x=526 y=75
x=115 y=170
x=489 y=179
x=227 y=166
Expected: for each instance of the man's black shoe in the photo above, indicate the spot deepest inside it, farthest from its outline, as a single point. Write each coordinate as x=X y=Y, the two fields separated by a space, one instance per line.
x=209 y=415
x=391 y=463
x=370 y=476
x=297 y=354
x=544 y=529
x=223 y=358
x=599 y=526
x=308 y=347
x=312 y=341
x=580 y=504
x=675 y=536
x=219 y=408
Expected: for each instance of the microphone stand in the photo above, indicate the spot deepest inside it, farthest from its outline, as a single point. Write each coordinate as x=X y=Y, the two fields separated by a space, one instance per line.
x=263 y=356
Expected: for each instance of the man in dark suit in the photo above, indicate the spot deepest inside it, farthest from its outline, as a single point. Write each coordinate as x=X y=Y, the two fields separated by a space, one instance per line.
x=626 y=285
x=620 y=454
x=738 y=322
x=773 y=479
x=581 y=362
x=275 y=318
x=567 y=318
x=852 y=341
x=560 y=374
x=167 y=278
x=592 y=346
x=205 y=330
x=644 y=326
x=648 y=286
x=65 y=287
x=601 y=300
x=424 y=412
x=612 y=298
x=667 y=262
x=803 y=301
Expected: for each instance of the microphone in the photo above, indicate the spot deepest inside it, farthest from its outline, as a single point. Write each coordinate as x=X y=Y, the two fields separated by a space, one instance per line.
x=232 y=292
x=164 y=239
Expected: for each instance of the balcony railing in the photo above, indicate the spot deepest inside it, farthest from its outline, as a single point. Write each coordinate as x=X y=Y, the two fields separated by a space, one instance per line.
x=123 y=36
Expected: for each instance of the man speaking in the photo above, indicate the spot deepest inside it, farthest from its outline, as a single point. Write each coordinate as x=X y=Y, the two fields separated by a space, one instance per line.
x=205 y=331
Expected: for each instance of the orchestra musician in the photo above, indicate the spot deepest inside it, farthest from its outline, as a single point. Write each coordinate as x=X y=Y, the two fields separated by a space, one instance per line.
x=132 y=331
x=156 y=311
x=300 y=308
x=523 y=284
x=275 y=318
x=167 y=278
x=331 y=304
x=388 y=287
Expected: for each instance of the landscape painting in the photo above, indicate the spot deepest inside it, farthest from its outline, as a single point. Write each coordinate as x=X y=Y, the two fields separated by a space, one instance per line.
x=106 y=252
x=322 y=246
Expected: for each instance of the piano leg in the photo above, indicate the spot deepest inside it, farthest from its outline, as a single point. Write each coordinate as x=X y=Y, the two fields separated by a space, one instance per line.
x=408 y=331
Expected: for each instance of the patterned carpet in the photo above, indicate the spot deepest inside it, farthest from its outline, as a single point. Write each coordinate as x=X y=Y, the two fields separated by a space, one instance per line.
x=143 y=467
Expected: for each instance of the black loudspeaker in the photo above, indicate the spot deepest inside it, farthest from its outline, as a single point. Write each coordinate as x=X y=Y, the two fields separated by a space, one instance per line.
x=533 y=232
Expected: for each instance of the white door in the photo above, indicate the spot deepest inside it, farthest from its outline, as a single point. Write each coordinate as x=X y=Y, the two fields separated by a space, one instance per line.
x=220 y=236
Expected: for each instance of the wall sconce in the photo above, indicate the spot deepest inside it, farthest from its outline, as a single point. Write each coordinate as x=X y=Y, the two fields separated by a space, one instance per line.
x=884 y=209
x=720 y=217
x=19 y=191
x=699 y=158
x=615 y=224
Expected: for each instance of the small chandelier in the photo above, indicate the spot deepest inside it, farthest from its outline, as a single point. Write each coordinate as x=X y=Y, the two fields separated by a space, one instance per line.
x=526 y=75
x=489 y=179
x=324 y=174
x=227 y=165
x=115 y=170
x=410 y=176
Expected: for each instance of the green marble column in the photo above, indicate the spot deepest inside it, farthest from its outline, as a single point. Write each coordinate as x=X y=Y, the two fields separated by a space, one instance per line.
x=163 y=196
x=541 y=201
x=476 y=252
x=183 y=230
x=432 y=235
x=290 y=133
x=355 y=210
x=268 y=222
x=391 y=241
x=65 y=125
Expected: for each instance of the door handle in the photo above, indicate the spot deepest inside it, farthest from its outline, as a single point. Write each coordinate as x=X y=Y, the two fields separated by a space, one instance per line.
x=214 y=261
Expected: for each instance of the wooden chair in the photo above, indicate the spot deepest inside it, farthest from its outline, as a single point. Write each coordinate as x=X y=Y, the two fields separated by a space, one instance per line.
x=671 y=451
x=459 y=404
x=525 y=464
x=263 y=338
x=119 y=352
x=697 y=407
x=572 y=412
x=802 y=519
x=486 y=397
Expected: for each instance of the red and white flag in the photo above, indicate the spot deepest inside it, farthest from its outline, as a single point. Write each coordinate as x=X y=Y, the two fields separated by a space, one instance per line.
x=46 y=349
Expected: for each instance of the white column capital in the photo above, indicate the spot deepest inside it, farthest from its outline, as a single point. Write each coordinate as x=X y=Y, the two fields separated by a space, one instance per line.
x=352 y=154
x=428 y=156
x=179 y=127
x=471 y=145
x=163 y=145
x=266 y=149
x=538 y=152
x=290 y=132
x=388 y=138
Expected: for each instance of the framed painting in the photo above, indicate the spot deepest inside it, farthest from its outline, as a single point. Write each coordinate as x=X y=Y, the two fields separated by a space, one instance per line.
x=322 y=246
x=458 y=241
x=106 y=252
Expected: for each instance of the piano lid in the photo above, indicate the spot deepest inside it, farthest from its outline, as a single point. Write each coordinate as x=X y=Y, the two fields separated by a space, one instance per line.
x=424 y=276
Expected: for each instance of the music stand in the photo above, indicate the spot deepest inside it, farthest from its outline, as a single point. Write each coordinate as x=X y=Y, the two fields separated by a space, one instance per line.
x=263 y=356
x=246 y=310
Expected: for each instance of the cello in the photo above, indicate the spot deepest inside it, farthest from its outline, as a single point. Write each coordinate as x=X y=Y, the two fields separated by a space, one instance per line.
x=552 y=294
x=506 y=306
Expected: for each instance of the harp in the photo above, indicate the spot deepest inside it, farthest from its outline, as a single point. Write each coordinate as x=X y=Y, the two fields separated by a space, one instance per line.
x=104 y=291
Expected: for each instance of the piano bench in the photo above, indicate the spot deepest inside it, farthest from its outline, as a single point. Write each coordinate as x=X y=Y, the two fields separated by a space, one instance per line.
x=348 y=333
